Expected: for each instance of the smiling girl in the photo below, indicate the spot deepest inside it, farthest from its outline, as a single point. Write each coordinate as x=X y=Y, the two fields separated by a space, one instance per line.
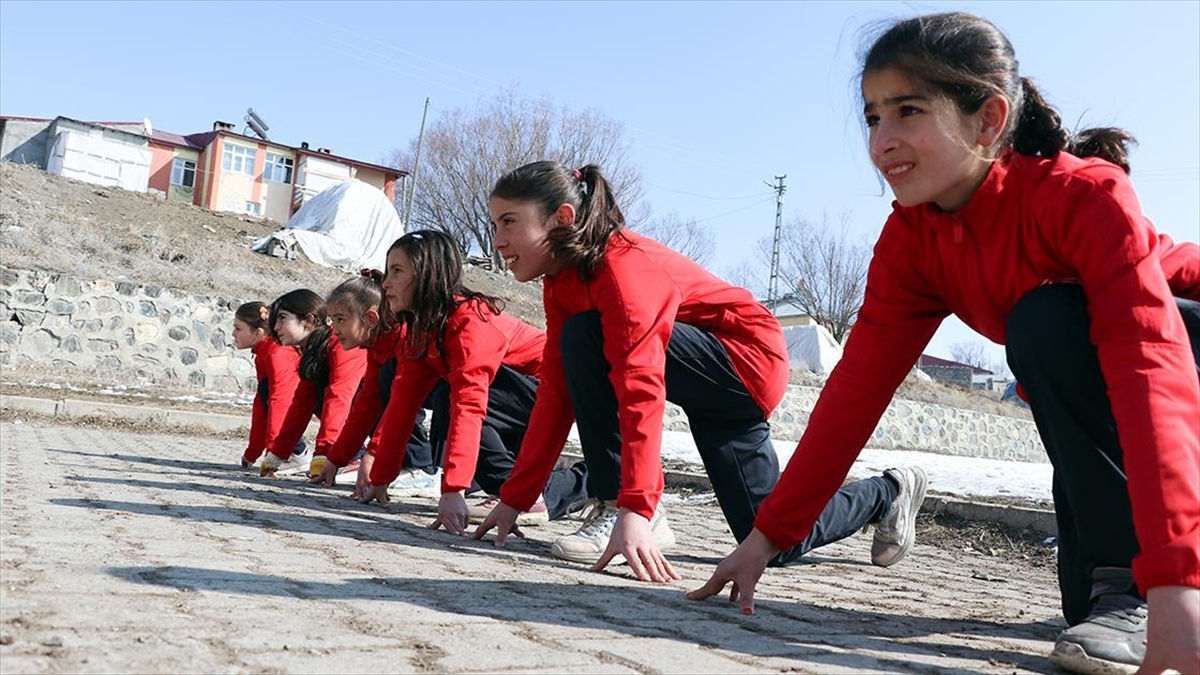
x=329 y=376
x=630 y=325
x=1049 y=254
x=358 y=320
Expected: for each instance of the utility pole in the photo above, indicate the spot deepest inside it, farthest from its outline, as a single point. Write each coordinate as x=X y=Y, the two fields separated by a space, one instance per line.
x=773 y=283
x=412 y=183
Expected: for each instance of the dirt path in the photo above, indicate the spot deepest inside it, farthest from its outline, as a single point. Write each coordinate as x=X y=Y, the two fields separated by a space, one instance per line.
x=142 y=553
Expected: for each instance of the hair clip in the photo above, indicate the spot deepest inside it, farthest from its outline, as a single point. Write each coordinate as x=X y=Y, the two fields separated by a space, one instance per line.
x=264 y=313
x=578 y=175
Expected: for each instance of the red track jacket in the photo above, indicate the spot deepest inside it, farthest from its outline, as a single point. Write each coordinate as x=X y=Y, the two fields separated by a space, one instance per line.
x=1032 y=222
x=367 y=405
x=278 y=365
x=641 y=290
x=475 y=344
x=346 y=369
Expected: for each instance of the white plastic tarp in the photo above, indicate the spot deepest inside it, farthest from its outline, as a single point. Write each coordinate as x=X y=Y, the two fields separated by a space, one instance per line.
x=348 y=226
x=99 y=160
x=812 y=347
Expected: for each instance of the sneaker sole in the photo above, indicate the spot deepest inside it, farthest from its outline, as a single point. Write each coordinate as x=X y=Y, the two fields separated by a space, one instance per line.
x=915 y=502
x=1073 y=658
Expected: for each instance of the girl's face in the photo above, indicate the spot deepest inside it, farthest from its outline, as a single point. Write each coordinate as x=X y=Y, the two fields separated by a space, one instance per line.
x=522 y=236
x=398 y=282
x=292 y=329
x=351 y=328
x=245 y=337
x=926 y=148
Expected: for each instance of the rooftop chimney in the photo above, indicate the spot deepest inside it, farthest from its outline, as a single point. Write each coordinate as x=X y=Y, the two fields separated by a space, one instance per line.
x=222 y=126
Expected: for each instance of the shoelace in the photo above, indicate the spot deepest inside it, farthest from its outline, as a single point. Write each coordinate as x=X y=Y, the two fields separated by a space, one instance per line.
x=1122 y=612
x=599 y=521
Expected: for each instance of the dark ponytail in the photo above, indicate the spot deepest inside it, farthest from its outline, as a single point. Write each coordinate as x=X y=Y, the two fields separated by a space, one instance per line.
x=1108 y=143
x=1039 y=127
x=597 y=216
x=968 y=59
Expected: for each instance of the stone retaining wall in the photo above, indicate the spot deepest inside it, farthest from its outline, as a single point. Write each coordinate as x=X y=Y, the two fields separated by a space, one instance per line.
x=95 y=327
x=167 y=336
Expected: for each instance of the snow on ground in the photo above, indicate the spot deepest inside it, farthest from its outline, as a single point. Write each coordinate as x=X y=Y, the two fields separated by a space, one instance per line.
x=963 y=477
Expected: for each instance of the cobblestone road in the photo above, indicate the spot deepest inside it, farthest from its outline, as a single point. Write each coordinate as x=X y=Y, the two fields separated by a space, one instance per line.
x=142 y=553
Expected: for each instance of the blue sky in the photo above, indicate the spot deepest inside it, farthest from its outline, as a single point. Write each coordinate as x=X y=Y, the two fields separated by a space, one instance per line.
x=718 y=97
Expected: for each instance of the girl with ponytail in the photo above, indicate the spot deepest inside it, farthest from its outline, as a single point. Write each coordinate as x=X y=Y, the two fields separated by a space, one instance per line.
x=475 y=367
x=329 y=377
x=631 y=325
x=359 y=321
x=277 y=371
x=1048 y=253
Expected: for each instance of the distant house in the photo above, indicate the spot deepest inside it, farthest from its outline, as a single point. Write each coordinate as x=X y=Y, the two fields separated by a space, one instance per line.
x=789 y=312
x=220 y=169
x=962 y=374
x=103 y=153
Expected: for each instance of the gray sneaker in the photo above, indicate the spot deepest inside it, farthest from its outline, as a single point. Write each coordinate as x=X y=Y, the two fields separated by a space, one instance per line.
x=1112 y=639
x=894 y=535
x=588 y=543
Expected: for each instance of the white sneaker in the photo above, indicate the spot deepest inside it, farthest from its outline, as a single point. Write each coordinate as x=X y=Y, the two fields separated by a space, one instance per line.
x=417 y=483
x=297 y=463
x=894 y=535
x=587 y=544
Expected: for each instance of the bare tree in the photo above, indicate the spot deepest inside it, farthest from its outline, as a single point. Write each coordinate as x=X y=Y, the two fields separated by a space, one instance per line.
x=686 y=236
x=970 y=353
x=464 y=153
x=975 y=354
x=825 y=269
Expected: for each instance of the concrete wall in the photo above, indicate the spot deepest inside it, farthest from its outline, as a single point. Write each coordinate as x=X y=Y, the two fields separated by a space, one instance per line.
x=98 y=327
x=25 y=142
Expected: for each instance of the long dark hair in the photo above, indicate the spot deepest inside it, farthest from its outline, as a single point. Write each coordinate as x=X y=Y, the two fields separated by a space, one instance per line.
x=362 y=293
x=438 y=289
x=597 y=216
x=967 y=58
x=314 y=362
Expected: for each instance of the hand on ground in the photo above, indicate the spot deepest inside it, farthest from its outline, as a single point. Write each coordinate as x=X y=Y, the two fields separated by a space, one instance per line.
x=632 y=537
x=504 y=519
x=743 y=568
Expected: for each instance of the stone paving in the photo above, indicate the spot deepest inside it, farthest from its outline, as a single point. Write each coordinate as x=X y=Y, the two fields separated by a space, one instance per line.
x=142 y=553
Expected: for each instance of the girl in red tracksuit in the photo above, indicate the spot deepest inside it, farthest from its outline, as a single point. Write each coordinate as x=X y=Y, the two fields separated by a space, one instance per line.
x=632 y=324
x=357 y=322
x=487 y=360
x=277 y=370
x=329 y=376
x=1049 y=254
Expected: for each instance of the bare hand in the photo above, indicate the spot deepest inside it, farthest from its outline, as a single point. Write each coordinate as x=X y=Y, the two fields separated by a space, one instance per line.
x=376 y=493
x=1173 y=632
x=743 y=567
x=631 y=537
x=362 y=482
x=452 y=514
x=504 y=519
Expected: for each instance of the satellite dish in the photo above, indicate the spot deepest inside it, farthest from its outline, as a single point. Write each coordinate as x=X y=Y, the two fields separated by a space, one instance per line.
x=146 y=126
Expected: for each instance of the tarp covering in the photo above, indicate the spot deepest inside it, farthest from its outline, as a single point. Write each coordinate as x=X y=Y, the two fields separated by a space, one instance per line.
x=812 y=347
x=348 y=226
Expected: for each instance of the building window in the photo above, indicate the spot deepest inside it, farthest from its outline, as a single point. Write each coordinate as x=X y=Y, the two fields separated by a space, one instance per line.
x=183 y=173
x=254 y=208
x=278 y=168
x=239 y=158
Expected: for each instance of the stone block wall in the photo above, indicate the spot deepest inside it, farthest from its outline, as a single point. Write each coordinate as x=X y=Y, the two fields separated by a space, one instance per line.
x=167 y=336
x=97 y=327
